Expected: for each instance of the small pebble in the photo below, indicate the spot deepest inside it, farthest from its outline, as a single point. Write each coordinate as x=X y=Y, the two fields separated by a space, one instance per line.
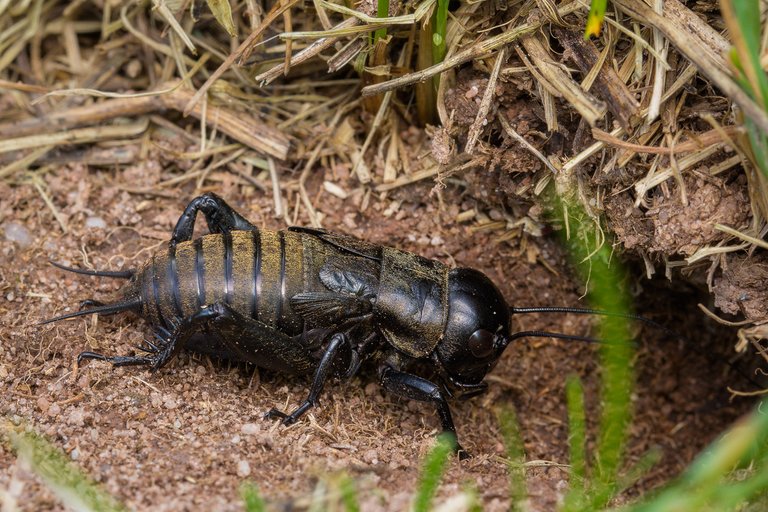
x=250 y=429
x=43 y=404
x=371 y=457
x=76 y=416
x=95 y=222
x=54 y=409
x=243 y=468
x=15 y=232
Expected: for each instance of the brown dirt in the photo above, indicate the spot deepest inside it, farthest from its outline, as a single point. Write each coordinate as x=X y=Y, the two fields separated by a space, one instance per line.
x=189 y=435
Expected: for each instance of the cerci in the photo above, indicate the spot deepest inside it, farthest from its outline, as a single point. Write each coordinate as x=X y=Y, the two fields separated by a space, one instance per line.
x=309 y=302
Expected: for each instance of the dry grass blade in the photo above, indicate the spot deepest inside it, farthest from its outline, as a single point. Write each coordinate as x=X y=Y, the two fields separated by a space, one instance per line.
x=655 y=178
x=587 y=153
x=23 y=163
x=165 y=12
x=742 y=236
x=77 y=136
x=560 y=84
x=475 y=51
x=699 y=142
x=305 y=54
x=241 y=126
x=481 y=119
x=241 y=52
x=408 y=179
x=700 y=44
x=607 y=83
x=527 y=145
x=373 y=22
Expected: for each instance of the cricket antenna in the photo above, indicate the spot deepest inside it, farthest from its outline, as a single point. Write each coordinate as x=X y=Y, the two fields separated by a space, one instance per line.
x=588 y=311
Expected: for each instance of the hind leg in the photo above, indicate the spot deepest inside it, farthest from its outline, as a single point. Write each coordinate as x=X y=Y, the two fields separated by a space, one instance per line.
x=221 y=218
x=168 y=344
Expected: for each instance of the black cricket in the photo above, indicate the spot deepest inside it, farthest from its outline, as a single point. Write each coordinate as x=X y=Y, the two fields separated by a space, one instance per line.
x=309 y=302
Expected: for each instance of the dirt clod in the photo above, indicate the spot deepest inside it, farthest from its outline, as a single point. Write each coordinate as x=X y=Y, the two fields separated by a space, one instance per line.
x=741 y=289
x=681 y=229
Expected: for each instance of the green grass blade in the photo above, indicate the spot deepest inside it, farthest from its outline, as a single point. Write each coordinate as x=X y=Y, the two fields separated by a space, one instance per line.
x=440 y=31
x=615 y=390
x=705 y=484
x=744 y=441
x=758 y=141
x=432 y=472
x=252 y=500
x=75 y=490
x=734 y=496
x=510 y=432
x=349 y=494
x=577 y=438
x=595 y=18
x=747 y=40
x=382 y=11
x=593 y=256
x=641 y=468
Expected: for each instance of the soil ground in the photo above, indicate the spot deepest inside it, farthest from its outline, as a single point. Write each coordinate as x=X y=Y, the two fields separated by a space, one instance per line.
x=186 y=437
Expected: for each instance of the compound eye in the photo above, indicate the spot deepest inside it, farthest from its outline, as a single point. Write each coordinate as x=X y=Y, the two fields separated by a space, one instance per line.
x=481 y=343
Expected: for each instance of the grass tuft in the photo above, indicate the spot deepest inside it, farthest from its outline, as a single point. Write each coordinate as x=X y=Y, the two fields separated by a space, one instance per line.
x=743 y=20
x=252 y=500
x=75 y=490
x=577 y=437
x=711 y=483
x=432 y=472
x=513 y=441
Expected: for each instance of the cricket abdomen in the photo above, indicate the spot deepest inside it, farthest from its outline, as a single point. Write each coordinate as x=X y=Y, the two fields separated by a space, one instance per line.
x=254 y=272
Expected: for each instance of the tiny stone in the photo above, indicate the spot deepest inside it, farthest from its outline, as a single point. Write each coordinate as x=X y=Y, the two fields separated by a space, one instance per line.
x=235 y=439
x=54 y=409
x=371 y=457
x=15 y=232
x=76 y=417
x=133 y=68
x=243 y=468
x=170 y=403
x=95 y=222
x=250 y=429
x=43 y=404
x=75 y=454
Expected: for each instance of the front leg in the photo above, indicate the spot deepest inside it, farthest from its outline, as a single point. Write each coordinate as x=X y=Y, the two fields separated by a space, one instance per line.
x=221 y=218
x=332 y=352
x=416 y=388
